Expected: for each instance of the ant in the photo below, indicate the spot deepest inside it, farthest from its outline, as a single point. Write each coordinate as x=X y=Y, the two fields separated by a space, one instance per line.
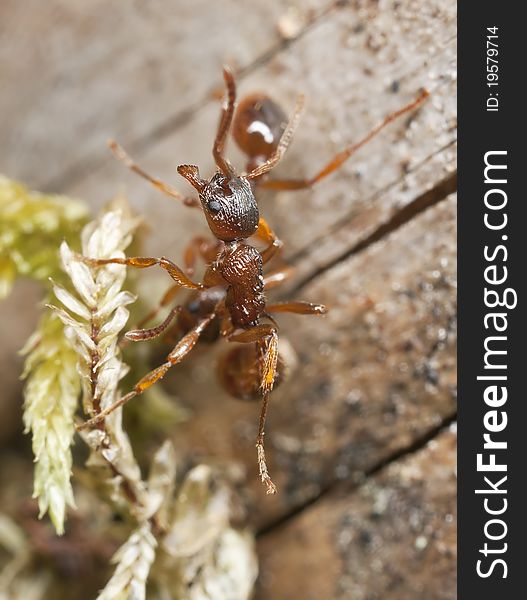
x=232 y=293
x=260 y=122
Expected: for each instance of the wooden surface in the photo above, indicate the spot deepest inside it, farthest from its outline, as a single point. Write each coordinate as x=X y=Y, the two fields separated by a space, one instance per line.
x=366 y=418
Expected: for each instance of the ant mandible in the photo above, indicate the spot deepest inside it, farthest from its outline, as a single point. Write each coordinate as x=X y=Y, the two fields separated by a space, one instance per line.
x=233 y=283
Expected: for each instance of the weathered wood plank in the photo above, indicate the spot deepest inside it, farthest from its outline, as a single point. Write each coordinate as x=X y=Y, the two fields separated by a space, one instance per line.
x=393 y=537
x=375 y=375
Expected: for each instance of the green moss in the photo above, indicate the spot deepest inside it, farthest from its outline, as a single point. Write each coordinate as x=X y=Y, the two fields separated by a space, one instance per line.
x=32 y=226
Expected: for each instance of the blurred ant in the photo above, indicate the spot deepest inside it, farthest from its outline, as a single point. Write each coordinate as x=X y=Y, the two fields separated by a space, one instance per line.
x=259 y=124
x=231 y=295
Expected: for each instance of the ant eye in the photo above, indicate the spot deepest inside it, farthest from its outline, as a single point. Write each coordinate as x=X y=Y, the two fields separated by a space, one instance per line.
x=214 y=206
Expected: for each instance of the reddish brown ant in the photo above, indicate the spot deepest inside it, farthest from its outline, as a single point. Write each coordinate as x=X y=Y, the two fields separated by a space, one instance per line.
x=232 y=291
x=259 y=123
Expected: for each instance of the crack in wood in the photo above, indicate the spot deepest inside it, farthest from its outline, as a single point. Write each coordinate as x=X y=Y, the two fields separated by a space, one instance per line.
x=424 y=201
x=344 y=221
x=416 y=446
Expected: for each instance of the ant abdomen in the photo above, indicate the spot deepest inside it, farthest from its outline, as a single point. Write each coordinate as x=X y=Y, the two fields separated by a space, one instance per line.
x=258 y=125
x=239 y=373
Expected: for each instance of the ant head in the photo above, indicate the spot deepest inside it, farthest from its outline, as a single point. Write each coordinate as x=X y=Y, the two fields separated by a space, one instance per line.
x=227 y=201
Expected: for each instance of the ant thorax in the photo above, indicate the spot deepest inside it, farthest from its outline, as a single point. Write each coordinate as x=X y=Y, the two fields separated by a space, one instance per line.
x=241 y=267
x=230 y=207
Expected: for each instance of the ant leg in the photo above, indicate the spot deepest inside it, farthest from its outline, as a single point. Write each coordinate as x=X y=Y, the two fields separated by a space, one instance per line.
x=283 y=144
x=275 y=278
x=200 y=246
x=256 y=334
x=263 y=334
x=268 y=236
x=342 y=157
x=181 y=349
x=224 y=125
x=298 y=307
x=121 y=155
x=138 y=335
x=142 y=262
x=260 y=451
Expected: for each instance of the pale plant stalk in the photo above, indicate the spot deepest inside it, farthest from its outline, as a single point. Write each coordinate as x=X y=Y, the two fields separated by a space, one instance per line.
x=93 y=318
x=203 y=555
x=133 y=559
x=51 y=394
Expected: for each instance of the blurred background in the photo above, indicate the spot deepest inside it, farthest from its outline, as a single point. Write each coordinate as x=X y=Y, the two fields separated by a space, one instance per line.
x=361 y=437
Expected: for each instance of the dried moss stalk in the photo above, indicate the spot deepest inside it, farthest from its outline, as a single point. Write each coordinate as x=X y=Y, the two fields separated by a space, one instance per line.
x=203 y=555
x=134 y=559
x=93 y=318
x=51 y=395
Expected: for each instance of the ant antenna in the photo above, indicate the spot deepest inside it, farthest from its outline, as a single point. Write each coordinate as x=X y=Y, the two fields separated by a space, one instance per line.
x=225 y=124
